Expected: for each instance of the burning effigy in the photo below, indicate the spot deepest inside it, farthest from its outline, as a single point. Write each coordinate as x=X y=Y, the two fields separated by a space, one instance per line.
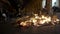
x=37 y=20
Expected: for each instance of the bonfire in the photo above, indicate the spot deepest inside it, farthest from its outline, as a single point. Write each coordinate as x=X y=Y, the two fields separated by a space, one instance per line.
x=37 y=20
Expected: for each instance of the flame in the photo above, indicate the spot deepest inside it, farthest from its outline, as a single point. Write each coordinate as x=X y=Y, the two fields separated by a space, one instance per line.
x=23 y=23
x=40 y=20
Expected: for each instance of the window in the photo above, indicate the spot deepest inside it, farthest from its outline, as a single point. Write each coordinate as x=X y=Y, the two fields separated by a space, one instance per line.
x=55 y=3
x=43 y=3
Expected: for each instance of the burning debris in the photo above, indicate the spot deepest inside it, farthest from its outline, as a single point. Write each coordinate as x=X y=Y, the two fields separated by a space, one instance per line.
x=37 y=20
